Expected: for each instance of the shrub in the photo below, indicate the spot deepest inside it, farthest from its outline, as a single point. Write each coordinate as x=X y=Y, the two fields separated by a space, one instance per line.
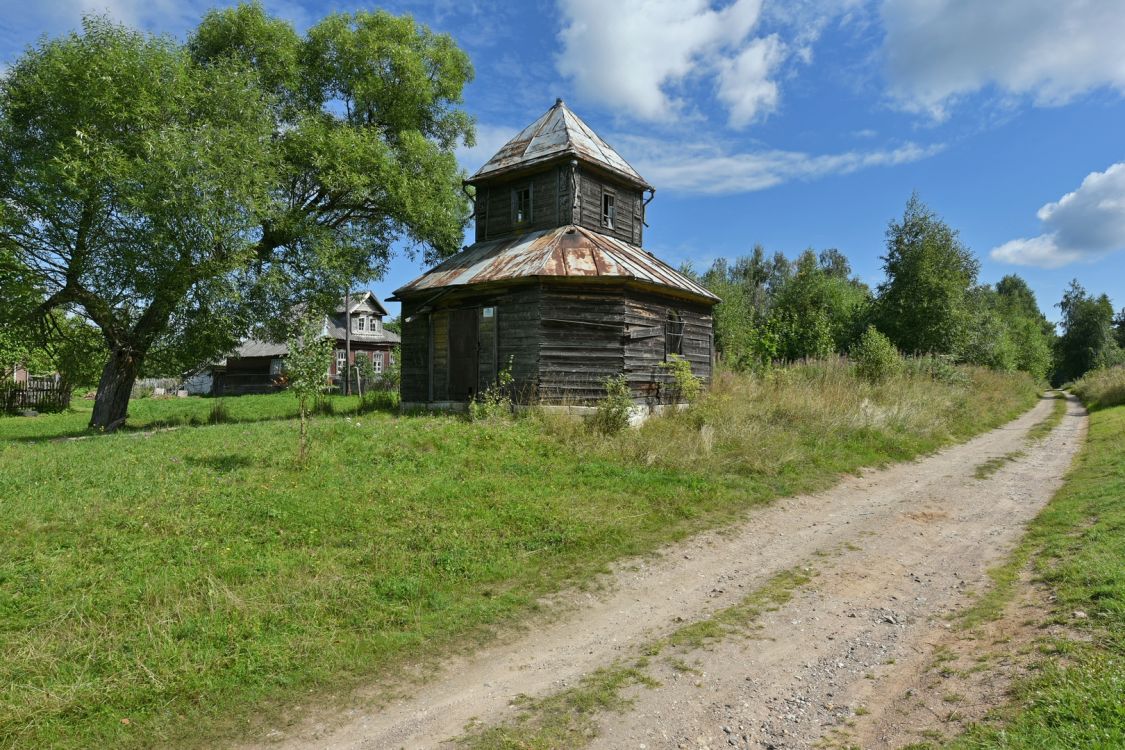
x=495 y=401
x=392 y=376
x=367 y=379
x=875 y=357
x=687 y=385
x=612 y=414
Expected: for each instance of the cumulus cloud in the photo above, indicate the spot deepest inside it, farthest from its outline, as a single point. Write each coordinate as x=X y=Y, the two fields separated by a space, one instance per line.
x=707 y=169
x=1082 y=225
x=744 y=81
x=638 y=55
x=1051 y=51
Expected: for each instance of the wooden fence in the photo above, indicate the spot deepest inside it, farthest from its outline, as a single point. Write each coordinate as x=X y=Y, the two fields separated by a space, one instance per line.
x=39 y=395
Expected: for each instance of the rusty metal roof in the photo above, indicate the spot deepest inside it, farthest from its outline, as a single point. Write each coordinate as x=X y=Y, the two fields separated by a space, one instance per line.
x=558 y=132
x=568 y=251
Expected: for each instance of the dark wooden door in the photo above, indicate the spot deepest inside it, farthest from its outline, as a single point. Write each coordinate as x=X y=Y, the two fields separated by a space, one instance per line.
x=462 y=354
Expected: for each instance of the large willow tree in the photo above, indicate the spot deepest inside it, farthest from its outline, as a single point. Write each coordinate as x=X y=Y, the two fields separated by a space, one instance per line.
x=177 y=194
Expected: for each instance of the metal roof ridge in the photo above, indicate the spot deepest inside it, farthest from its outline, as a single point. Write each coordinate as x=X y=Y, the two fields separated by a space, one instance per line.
x=593 y=148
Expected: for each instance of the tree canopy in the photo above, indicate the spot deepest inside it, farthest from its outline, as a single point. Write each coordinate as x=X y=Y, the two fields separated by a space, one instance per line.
x=1087 y=341
x=924 y=304
x=930 y=302
x=178 y=194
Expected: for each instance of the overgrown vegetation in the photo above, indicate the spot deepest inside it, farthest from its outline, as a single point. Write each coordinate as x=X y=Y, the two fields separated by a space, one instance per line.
x=687 y=385
x=613 y=411
x=772 y=427
x=495 y=401
x=1076 y=699
x=190 y=579
x=1101 y=388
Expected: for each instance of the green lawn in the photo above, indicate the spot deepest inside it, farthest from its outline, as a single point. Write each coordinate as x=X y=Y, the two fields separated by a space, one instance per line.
x=1077 y=544
x=167 y=586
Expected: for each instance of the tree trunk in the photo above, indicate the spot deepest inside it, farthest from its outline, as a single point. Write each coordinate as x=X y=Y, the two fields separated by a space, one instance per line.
x=303 y=442
x=116 y=386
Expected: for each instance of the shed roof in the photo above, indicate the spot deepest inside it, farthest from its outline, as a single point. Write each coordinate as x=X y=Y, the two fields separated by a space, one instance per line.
x=558 y=132
x=567 y=251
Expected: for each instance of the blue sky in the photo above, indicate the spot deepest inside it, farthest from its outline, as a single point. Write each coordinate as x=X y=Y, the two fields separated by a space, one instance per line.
x=794 y=123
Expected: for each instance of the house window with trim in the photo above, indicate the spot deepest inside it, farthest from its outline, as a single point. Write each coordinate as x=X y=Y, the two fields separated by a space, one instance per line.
x=521 y=205
x=673 y=335
x=609 y=210
x=376 y=325
x=341 y=361
x=377 y=360
x=359 y=324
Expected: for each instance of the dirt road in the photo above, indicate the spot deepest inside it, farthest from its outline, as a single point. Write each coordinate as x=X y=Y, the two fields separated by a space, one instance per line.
x=895 y=551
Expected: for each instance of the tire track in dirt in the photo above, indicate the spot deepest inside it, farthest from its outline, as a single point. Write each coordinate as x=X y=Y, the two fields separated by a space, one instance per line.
x=910 y=539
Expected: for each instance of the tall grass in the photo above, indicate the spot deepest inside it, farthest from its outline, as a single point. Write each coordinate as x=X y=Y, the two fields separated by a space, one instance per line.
x=1103 y=388
x=818 y=416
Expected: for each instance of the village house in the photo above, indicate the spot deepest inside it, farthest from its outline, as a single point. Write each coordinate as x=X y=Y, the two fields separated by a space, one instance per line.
x=258 y=366
x=557 y=286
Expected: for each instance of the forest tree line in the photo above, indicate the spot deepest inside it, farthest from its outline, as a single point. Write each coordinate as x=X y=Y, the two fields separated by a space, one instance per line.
x=931 y=302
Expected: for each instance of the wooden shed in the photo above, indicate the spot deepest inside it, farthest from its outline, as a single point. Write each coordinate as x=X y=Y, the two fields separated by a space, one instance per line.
x=556 y=285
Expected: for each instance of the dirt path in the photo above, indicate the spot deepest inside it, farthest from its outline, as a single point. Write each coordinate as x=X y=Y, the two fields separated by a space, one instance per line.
x=907 y=545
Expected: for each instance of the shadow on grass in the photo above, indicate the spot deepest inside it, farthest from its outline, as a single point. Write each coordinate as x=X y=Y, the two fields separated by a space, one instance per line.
x=327 y=407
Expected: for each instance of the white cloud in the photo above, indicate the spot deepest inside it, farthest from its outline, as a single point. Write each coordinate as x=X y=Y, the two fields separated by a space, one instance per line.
x=163 y=15
x=1083 y=225
x=707 y=169
x=744 y=82
x=1051 y=51
x=638 y=56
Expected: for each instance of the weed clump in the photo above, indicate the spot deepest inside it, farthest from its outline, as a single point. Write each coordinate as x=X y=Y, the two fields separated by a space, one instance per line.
x=875 y=357
x=688 y=385
x=495 y=401
x=612 y=414
x=219 y=414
